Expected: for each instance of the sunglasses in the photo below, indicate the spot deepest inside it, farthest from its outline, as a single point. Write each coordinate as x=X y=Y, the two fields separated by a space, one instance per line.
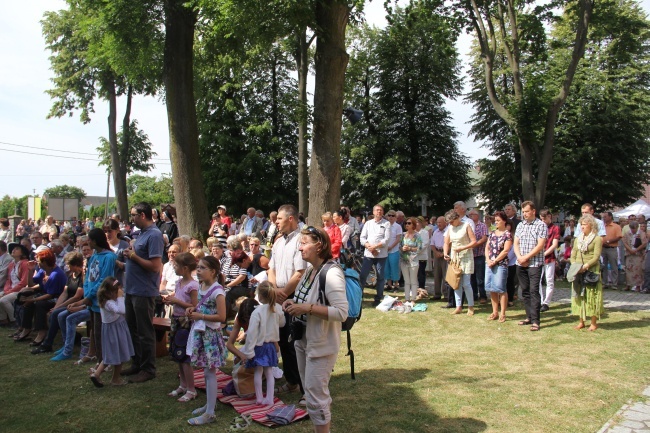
x=314 y=231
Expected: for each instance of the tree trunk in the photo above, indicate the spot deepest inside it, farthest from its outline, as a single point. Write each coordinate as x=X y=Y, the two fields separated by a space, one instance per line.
x=119 y=178
x=191 y=208
x=330 y=63
x=302 y=64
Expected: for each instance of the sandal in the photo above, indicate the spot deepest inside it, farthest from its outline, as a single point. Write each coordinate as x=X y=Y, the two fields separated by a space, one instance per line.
x=202 y=419
x=95 y=380
x=502 y=318
x=285 y=388
x=177 y=392
x=302 y=402
x=120 y=383
x=493 y=316
x=534 y=327
x=239 y=423
x=85 y=359
x=189 y=396
x=200 y=411
x=524 y=322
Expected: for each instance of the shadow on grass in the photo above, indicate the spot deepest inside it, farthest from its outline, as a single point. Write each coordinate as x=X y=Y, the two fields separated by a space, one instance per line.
x=387 y=400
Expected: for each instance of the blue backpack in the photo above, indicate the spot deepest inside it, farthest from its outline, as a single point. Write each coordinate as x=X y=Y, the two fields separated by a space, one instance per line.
x=354 y=294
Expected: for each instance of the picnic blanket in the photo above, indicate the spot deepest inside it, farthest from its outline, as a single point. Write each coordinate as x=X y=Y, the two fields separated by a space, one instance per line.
x=246 y=406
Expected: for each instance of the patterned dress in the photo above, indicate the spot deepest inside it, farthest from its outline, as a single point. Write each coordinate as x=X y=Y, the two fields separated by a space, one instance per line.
x=206 y=348
x=496 y=244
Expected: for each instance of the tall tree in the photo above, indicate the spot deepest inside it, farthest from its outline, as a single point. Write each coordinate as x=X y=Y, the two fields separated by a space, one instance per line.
x=65 y=191
x=529 y=107
x=602 y=134
x=405 y=150
x=137 y=155
x=178 y=77
x=103 y=50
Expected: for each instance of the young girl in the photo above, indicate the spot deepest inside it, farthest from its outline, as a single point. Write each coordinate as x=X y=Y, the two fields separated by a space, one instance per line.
x=185 y=296
x=116 y=340
x=261 y=339
x=205 y=345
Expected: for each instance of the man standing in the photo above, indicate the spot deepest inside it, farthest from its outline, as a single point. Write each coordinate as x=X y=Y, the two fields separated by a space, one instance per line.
x=610 y=251
x=588 y=209
x=439 y=262
x=374 y=238
x=530 y=238
x=552 y=242
x=478 y=277
x=285 y=270
x=252 y=225
x=142 y=279
x=511 y=213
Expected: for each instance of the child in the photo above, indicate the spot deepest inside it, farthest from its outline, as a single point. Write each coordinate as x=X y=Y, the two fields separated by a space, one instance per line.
x=205 y=345
x=116 y=339
x=261 y=338
x=184 y=296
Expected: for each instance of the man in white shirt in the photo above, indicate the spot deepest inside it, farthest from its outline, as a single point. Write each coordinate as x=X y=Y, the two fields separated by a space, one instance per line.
x=374 y=238
x=285 y=270
x=588 y=209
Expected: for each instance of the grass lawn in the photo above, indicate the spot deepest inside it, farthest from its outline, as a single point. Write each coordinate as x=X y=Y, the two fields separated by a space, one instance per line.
x=419 y=372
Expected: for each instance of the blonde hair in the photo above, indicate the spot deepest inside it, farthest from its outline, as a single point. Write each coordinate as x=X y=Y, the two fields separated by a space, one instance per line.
x=266 y=292
x=210 y=241
x=197 y=253
x=589 y=219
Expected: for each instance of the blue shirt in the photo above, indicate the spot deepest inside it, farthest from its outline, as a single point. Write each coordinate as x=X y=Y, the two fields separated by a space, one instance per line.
x=248 y=228
x=100 y=266
x=55 y=283
x=138 y=281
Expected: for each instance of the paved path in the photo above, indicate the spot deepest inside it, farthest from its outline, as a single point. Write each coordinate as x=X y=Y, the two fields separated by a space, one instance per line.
x=613 y=299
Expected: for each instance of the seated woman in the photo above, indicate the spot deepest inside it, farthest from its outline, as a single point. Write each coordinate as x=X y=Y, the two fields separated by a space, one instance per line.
x=236 y=285
x=73 y=292
x=17 y=279
x=48 y=284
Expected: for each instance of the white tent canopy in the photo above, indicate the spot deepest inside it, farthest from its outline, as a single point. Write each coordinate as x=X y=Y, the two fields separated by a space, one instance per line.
x=637 y=208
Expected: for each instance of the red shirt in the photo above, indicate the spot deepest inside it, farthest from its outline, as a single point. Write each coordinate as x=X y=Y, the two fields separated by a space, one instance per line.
x=553 y=233
x=334 y=233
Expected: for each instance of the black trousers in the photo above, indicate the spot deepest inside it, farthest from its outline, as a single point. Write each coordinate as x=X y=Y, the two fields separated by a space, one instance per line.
x=139 y=317
x=288 y=352
x=36 y=312
x=512 y=280
x=529 y=279
x=422 y=273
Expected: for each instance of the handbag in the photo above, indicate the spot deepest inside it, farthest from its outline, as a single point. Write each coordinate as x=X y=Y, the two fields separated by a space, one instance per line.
x=588 y=276
x=453 y=275
x=574 y=272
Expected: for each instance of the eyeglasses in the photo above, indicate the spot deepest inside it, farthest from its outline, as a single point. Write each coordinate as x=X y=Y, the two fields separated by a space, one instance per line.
x=408 y=223
x=135 y=214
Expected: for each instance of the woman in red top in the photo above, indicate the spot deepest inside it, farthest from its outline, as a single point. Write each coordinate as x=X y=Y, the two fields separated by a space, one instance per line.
x=334 y=233
x=17 y=277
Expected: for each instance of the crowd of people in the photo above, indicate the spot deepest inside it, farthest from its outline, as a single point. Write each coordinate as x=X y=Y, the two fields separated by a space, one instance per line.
x=262 y=275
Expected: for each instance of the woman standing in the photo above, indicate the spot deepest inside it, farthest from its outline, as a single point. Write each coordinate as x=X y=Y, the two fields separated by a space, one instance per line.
x=334 y=233
x=586 y=298
x=459 y=241
x=320 y=318
x=634 y=242
x=423 y=254
x=496 y=267
x=410 y=247
x=169 y=231
x=112 y=231
x=346 y=230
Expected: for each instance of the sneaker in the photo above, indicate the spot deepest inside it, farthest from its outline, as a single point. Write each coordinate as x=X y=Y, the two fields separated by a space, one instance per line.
x=141 y=377
x=60 y=357
x=59 y=350
x=544 y=308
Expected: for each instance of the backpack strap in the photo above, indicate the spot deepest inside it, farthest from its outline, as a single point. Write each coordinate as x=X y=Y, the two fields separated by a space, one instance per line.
x=322 y=276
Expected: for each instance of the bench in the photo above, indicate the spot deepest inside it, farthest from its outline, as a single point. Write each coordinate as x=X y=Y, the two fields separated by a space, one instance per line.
x=162 y=327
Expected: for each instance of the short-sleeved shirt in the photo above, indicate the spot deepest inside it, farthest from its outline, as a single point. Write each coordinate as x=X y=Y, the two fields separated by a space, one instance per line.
x=601 y=228
x=395 y=230
x=286 y=259
x=55 y=283
x=553 y=233
x=480 y=231
x=183 y=292
x=496 y=244
x=232 y=271
x=138 y=281
x=528 y=234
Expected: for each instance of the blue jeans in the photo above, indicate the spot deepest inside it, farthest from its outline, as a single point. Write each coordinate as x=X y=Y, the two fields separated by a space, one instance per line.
x=54 y=326
x=465 y=285
x=68 y=322
x=392 y=267
x=496 y=279
x=478 y=283
x=380 y=264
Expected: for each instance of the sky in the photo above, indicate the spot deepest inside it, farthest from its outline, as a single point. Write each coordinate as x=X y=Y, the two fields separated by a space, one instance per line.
x=37 y=153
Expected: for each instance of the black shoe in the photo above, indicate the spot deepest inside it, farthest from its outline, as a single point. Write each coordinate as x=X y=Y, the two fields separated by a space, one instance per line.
x=436 y=298
x=35 y=343
x=448 y=306
x=544 y=308
x=41 y=349
x=375 y=303
x=130 y=371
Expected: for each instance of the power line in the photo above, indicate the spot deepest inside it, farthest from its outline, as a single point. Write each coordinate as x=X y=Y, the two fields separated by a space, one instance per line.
x=63 y=151
x=65 y=157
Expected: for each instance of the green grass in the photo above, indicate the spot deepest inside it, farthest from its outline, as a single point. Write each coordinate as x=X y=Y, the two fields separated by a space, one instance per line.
x=419 y=372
